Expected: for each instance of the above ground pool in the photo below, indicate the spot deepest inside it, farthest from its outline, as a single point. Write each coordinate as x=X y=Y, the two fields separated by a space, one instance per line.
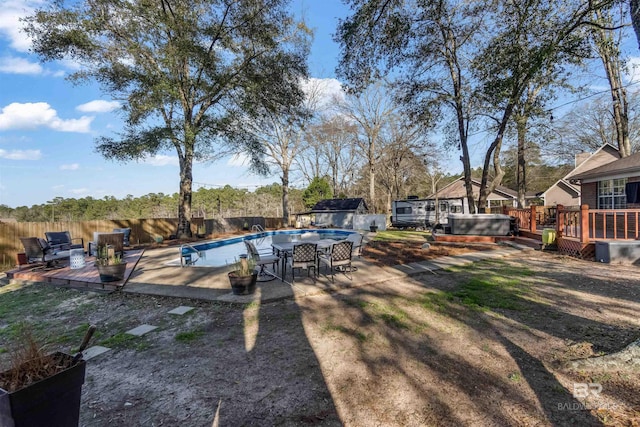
x=220 y=253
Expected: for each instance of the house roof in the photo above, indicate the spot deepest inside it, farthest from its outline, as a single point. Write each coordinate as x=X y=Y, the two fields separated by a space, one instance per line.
x=338 y=205
x=456 y=190
x=626 y=165
x=568 y=187
x=602 y=156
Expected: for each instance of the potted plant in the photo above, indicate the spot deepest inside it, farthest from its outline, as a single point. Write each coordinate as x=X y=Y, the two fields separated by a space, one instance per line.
x=42 y=389
x=110 y=266
x=373 y=227
x=243 y=277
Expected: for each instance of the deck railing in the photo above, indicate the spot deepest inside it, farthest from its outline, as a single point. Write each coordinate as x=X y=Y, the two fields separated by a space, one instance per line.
x=580 y=222
x=587 y=224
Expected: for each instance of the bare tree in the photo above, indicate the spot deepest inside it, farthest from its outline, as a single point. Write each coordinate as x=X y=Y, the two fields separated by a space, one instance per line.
x=333 y=141
x=282 y=137
x=370 y=110
x=402 y=154
x=606 y=43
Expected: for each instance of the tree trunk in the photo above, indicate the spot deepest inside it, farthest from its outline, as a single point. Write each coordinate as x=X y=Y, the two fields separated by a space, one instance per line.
x=285 y=196
x=184 y=201
x=608 y=49
x=372 y=176
x=635 y=18
x=521 y=175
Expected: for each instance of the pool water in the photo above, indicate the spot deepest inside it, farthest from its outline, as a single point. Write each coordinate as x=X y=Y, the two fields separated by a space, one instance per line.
x=225 y=252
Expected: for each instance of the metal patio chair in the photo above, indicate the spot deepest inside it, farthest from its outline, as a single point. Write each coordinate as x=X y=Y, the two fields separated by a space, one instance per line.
x=339 y=257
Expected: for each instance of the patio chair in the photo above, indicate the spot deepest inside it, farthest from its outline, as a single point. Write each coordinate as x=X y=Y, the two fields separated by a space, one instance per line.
x=356 y=238
x=37 y=250
x=126 y=232
x=305 y=255
x=279 y=238
x=262 y=260
x=62 y=241
x=116 y=240
x=340 y=257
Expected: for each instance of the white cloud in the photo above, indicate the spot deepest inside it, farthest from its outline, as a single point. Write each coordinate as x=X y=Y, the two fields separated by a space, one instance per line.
x=11 y=11
x=20 y=154
x=15 y=65
x=70 y=167
x=40 y=114
x=98 y=106
x=79 y=191
x=162 y=160
x=326 y=91
x=239 y=160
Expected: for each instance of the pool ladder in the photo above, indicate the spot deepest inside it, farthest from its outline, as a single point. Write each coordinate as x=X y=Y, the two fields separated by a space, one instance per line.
x=187 y=259
x=257 y=228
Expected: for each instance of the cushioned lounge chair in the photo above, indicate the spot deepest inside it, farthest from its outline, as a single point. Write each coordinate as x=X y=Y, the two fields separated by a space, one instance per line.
x=116 y=240
x=126 y=232
x=62 y=241
x=37 y=250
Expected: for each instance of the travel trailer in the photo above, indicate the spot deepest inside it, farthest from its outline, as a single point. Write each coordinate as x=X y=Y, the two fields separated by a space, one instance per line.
x=421 y=213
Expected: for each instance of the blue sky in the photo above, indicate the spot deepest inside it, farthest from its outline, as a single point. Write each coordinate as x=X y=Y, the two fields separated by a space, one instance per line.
x=48 y=126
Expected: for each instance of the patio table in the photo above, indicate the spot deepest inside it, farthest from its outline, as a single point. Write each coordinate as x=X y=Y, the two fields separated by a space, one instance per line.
x=285 y=249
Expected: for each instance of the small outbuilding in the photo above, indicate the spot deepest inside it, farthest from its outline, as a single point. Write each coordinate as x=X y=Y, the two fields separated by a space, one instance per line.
x=338 y=213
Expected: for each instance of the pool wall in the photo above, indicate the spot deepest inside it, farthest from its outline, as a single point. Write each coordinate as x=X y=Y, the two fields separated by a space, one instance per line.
x=223 y=252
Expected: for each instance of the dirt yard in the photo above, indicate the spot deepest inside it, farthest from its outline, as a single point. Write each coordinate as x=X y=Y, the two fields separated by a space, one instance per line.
x=484 y=345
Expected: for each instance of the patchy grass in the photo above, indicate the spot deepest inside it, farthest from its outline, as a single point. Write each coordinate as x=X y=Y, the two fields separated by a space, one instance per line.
x=189 y=336
x=495 y=286
x=16 y=301
x=402 y=235
x=123 y=340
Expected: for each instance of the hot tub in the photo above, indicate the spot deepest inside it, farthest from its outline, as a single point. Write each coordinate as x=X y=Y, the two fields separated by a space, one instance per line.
x=480 y=224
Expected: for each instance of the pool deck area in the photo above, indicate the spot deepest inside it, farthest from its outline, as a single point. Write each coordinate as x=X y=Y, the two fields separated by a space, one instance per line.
x=148 y=274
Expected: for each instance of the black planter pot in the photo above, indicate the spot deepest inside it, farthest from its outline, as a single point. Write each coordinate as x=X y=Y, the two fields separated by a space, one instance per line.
x=242 y=284
x=112 y=273
x=54 y=401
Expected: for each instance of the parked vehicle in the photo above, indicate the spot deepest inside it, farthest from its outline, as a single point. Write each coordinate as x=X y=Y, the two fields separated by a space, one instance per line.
x=422 y=213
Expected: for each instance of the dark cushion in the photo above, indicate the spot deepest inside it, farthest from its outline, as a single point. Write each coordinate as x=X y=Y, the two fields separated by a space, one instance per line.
x=58 y=237
x=126 y=232
x=45 y=245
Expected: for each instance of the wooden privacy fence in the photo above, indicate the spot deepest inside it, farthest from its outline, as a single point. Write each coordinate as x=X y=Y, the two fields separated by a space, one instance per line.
x=142 y=231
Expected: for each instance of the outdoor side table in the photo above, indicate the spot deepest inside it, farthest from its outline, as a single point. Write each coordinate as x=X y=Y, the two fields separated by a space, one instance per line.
x=76 y=258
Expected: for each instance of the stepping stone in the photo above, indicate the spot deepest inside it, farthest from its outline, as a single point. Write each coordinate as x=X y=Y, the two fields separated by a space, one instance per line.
x=141 y=330
x=183 y=309
x=94 y=351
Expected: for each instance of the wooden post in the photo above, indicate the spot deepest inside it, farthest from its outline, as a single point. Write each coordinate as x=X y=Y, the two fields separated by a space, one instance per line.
x=584 y=223
x=532 y=219
x=559 y=220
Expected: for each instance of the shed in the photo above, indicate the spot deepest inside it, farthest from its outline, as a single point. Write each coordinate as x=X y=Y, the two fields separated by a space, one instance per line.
x=338 y=212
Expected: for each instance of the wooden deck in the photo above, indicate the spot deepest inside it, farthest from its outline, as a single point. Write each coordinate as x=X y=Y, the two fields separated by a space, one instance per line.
x=81 y=278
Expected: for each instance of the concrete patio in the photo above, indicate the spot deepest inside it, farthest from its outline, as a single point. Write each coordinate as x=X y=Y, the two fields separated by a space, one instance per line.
x=149 y=273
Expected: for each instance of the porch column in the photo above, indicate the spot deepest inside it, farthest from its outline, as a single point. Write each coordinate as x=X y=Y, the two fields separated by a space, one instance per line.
x=532 y=219
x=584 y=223
x=559 y=220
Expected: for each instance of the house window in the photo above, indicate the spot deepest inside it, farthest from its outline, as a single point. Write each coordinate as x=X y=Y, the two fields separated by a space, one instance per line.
x=611 y=194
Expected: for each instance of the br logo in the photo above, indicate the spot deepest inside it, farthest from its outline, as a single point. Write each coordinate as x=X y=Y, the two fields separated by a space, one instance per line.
x=584 y=390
